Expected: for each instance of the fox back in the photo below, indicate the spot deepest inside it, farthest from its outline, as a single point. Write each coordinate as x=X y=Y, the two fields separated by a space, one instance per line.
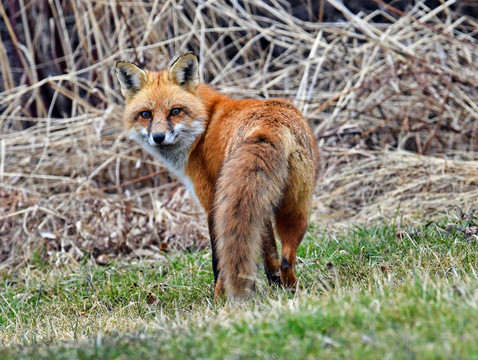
x=251 y=164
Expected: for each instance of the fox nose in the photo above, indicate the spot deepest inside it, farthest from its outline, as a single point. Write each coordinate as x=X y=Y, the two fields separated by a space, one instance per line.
x=159 y=138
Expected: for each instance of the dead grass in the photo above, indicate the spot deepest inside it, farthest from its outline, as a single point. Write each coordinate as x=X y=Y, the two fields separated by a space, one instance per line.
x=72 y=184
x=418 y=189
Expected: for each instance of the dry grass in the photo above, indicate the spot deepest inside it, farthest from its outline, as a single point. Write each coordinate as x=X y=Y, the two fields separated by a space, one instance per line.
x=388 y=184
x=71 y=183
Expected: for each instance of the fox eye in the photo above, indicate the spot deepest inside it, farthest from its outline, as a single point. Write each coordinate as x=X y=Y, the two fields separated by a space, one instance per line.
x=146 y=114
x=175 y=112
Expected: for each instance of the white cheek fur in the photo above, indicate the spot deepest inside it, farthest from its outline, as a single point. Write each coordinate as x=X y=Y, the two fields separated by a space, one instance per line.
x=174 y=156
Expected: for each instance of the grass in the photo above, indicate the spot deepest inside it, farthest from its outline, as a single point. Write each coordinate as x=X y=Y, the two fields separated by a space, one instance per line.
x=71 y=184
x=372 y=293
x=391 y=98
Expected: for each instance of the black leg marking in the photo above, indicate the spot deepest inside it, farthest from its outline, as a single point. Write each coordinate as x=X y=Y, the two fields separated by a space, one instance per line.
x=284 y=266
x=273 y=278
x=212 y=236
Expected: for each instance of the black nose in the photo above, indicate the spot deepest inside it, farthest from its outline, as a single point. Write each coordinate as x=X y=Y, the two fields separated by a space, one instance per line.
x=158 y=138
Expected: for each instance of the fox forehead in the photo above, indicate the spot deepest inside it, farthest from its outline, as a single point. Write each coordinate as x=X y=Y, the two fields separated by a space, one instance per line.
x=160 y=95
x=157 y=92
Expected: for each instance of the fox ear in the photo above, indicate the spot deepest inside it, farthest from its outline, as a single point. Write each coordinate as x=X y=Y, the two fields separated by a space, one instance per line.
x=131 y=78
x=184 y=71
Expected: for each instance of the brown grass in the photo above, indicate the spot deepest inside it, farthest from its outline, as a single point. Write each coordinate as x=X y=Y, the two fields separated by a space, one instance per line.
x=72 y=184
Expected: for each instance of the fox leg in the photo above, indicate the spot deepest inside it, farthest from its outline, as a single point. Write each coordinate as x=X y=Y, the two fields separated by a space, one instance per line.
x=219 y=290
x=218 y=284
x=291 y=228
x=269 y=255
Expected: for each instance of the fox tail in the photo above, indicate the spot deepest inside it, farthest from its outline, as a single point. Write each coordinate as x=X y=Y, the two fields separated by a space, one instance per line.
x=249 y=188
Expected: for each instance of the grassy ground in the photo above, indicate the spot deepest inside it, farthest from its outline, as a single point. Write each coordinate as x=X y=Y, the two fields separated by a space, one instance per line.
x=369 y=83
x=366 y=293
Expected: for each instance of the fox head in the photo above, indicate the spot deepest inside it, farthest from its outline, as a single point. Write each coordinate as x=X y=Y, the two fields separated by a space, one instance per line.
x=162 y=108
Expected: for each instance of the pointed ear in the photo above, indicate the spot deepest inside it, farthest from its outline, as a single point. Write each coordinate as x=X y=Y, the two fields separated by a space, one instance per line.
x=131 y=78
x=184 y=71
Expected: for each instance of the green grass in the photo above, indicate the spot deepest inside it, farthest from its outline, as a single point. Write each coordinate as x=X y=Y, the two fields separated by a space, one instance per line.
x=376 y=293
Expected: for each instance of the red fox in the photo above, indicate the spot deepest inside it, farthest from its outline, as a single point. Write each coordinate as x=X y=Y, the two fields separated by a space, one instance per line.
x=251 y=164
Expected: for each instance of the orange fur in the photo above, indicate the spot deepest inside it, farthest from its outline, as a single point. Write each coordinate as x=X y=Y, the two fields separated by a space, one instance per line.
x=249 y=163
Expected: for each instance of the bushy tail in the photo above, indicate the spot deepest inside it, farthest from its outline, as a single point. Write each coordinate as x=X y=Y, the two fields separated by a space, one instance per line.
x=249 y=187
